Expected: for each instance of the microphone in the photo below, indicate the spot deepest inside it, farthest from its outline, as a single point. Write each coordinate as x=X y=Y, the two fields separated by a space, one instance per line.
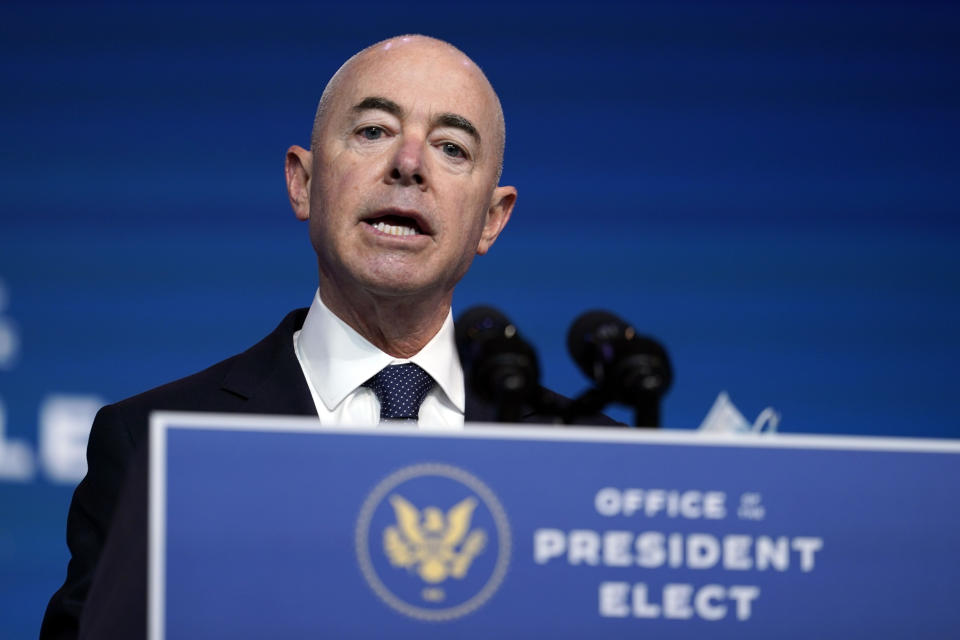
x=501 y=366
x=626 y=367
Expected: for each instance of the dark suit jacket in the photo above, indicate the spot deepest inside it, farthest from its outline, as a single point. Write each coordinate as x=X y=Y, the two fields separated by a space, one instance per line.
x=104 y=595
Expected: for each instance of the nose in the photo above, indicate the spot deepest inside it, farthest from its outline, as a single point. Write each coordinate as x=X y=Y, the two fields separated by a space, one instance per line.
x=407 y=165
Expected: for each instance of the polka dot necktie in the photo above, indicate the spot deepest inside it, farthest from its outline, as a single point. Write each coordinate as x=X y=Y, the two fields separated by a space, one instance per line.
x=400 y=388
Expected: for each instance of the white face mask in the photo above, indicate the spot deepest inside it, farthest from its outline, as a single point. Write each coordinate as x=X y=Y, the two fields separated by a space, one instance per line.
x=724 y=417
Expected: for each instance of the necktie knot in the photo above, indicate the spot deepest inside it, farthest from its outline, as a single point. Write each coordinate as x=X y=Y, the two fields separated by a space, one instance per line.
x=400 y=388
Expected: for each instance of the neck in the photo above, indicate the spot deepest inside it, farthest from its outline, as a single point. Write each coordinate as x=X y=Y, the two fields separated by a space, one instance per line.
x=397 y=325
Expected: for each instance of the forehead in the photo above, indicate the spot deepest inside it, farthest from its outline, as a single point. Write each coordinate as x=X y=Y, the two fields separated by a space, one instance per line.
x=420 y=77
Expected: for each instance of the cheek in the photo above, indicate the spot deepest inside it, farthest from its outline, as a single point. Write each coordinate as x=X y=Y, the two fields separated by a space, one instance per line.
x=339 y=192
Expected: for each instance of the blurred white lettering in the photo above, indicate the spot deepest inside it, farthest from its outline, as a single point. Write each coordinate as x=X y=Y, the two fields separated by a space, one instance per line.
x=613 y=599
x=583 y=545
x=654 y=549
x=16 y=458
x=651 y=503
x=807 y=546
x=547 y=544
x=680 y=601
x=64 y=428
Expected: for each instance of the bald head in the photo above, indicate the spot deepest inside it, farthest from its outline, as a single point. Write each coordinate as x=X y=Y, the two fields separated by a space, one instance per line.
x=394 y=51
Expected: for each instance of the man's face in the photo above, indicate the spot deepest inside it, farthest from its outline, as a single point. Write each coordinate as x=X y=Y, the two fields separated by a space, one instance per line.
x=405 y=165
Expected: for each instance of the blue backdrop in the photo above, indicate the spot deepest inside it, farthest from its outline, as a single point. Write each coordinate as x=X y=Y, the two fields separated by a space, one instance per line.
x=769 y=189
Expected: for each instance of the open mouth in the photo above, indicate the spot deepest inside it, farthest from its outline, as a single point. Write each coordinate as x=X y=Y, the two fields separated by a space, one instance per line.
x=395 y=225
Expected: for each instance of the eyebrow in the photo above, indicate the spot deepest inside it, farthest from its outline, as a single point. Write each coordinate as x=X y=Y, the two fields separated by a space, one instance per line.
x=441 y=120
x=381 y=104
x=457 y=122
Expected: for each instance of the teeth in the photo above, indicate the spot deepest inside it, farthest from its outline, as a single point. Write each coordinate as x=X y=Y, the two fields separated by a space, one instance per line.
x=395 y=230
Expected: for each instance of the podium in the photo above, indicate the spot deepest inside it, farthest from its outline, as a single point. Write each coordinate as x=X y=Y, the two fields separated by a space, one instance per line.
x=278 y=527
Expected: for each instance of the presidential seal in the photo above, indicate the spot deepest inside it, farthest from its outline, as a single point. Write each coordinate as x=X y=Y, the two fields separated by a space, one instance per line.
x=433 y=542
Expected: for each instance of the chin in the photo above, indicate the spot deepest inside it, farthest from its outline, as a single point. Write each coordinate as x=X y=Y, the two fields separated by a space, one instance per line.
x=396 y=277
x=397 y=287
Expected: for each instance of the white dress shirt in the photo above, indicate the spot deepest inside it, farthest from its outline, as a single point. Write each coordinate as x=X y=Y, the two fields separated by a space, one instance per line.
x=336 y=361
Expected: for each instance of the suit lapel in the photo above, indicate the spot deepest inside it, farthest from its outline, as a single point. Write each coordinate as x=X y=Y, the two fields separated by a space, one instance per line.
x=268 y=374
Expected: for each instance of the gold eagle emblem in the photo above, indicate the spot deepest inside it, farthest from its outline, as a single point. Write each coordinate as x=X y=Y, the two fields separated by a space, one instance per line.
x=436 y=547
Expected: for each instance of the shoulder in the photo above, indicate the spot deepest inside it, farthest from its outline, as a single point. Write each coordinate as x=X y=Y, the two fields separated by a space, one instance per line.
x=222 y=387
x=265 y=378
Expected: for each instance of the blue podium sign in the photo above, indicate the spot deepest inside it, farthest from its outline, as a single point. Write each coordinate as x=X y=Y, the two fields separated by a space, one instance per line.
x=277 y=527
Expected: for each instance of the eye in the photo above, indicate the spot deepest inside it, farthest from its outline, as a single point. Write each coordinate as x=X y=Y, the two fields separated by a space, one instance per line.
x=453 y=150
x=372 y=132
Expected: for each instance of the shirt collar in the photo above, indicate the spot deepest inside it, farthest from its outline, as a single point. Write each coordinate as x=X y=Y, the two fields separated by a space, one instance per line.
x=338 y=359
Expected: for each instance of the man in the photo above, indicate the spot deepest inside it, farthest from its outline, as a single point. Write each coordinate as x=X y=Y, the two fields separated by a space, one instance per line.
x=400 y=191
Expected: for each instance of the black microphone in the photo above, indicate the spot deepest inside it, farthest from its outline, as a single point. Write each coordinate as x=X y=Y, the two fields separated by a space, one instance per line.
x=627 y=367
x=501 y=367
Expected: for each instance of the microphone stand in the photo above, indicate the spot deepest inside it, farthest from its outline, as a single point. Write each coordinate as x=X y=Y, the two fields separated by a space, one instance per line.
x=588 y=403
x=646 y=412
x=646 y=408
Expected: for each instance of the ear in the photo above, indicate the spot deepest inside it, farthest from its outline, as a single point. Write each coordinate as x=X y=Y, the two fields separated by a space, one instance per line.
x=501 y=206
x=297 y=170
